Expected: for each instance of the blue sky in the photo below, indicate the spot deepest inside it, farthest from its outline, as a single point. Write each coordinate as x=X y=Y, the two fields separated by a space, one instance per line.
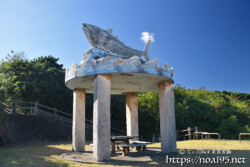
x=206 y=41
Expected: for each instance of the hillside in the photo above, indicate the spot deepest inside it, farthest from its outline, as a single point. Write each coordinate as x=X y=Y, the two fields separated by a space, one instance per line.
x=224 y=112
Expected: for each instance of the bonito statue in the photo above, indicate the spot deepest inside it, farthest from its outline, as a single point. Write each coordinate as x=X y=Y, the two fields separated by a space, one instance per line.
x=105 y=40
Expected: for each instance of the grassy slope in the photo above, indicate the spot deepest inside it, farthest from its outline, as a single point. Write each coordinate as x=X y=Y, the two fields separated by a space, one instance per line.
x=41 y=155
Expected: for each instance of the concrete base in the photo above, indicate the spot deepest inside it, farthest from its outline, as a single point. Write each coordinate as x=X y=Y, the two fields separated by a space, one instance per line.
x=167 y=117
x=101 y=118
x=78 y=131
x=151 y=155
x=132 y=114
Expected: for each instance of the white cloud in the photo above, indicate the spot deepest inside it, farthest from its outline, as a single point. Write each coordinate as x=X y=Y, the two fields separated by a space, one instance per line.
x=146 y=36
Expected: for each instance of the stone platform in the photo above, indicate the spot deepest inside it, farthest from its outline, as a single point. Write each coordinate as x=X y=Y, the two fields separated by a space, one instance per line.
x=152 y=154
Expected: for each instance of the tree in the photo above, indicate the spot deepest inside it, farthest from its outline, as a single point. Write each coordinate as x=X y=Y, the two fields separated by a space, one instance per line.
x=229 y=128
x=149 y=117
x=41 y=79
x=13 y=74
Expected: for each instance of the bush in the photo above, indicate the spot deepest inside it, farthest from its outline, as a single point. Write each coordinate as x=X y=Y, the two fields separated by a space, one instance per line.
x=229 y=128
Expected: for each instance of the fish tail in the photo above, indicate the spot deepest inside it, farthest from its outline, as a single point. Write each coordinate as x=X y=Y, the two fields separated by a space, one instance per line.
x=146 y=50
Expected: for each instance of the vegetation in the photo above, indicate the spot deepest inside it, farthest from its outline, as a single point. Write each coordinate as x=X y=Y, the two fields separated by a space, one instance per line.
x=224 y=112
x=50 y=154
x=42 y=80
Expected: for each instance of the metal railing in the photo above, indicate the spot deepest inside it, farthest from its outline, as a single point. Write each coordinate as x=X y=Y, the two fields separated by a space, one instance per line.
x=7 y=108
x=189 y=132
x=35 y=108
x=182 y=134
x=241 y=134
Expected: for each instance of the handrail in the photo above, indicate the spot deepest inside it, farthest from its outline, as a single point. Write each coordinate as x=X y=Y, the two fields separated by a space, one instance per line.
x=185 y=130
x=242 y=134
x=54 y=109
x=198 y=133
x=56 y=114
x=25 y=102
x=7 y=108
x=5 y=105
x=45 y=106
x=206 y=133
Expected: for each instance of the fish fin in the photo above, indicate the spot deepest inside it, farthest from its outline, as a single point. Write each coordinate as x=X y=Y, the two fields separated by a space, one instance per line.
x=146 y=50
x=110 y=30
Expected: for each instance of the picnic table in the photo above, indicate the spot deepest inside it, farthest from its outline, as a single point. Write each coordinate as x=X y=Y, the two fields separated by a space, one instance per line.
x=125 y=139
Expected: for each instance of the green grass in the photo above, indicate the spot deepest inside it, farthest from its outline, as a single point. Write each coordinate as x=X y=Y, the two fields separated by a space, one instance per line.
x=211 y=144
x=48 y=155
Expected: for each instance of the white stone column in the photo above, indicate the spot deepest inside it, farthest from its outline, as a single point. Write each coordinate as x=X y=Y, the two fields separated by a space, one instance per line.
x=78 y=131
x=167 y=117
x=101 y=118
x=132 y=114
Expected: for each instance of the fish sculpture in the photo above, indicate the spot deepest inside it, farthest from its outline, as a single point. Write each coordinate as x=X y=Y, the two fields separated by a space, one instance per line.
x=105 y=40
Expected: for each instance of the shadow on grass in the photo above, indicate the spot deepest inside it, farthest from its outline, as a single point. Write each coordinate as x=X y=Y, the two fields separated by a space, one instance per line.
x=31 y=155
x=41 y=155
x=156 y=158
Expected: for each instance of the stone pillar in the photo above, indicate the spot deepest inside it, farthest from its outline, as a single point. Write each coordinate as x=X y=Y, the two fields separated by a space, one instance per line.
x=132 y=114
x=78 y=131
x=167 y=118
x=101 y=118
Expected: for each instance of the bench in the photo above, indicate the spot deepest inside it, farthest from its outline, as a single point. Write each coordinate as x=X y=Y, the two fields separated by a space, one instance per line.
x=137 y=146
x=119 y=143
x=140 y=142
x=132 y=142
